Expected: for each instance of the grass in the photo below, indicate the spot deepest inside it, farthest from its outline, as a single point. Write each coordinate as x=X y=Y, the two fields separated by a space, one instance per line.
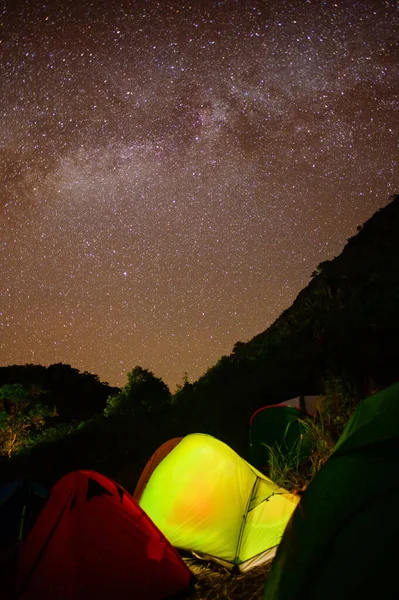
x=285 y=465
x=214 y=582
x=288 y=468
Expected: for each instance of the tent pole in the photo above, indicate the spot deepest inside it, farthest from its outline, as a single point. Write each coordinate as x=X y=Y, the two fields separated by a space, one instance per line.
x=21 y=524
x=302 y=405
x=244 y=520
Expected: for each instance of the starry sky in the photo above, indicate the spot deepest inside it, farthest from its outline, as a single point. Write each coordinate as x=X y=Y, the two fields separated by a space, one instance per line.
x=172 y=172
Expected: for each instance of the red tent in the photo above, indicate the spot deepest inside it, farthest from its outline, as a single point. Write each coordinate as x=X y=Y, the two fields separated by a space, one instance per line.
x=92 y=540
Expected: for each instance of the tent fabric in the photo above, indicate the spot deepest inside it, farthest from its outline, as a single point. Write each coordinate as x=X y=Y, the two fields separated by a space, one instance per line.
x=21 y=501
x=208 y=500
x=153 y=462
x=311 y=403
x=343 y=539
x=273 y=425
x=92 y=540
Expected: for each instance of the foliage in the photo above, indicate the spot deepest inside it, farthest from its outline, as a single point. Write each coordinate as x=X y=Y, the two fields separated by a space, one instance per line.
x=343 y=326
x=21 y=418
x=185 y=384
x=144 y=393
x=284 y=467
x=321 y=433
x=34 y=419
x=337 y=405
x=53 y=434
x=77 y=396
x=321 y=268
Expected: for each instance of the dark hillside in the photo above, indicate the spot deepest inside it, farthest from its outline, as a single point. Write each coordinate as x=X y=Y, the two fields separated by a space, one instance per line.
x=344 y=324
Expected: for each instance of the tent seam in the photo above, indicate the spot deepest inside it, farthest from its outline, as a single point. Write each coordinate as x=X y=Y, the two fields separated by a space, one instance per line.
x=244 y=520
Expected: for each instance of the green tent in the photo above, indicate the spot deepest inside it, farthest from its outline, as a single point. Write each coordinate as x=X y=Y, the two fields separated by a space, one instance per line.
x=343 y=539
x=208 y=500
x=276 y=425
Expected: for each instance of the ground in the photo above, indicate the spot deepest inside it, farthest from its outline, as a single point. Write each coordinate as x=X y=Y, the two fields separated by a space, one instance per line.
x=217 y=583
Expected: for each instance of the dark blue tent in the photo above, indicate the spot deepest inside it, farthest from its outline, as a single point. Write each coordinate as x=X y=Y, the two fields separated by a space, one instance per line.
x=21 y=501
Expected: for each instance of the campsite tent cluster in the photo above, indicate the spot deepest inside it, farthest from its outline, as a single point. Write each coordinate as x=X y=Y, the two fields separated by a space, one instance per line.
x=87 y=537
x=92 y=539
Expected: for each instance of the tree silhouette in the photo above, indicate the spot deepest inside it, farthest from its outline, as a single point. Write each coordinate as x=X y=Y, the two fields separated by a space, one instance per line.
x=143 y=393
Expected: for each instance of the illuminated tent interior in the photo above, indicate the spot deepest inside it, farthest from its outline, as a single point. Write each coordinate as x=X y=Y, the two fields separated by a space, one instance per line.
x=207 y=500
x=154 y=461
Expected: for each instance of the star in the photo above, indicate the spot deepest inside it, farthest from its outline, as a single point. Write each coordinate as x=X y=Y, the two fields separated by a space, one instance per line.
x=173 y=173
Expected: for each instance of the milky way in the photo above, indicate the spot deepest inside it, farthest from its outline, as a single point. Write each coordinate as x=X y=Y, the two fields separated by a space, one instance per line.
x=173 y=172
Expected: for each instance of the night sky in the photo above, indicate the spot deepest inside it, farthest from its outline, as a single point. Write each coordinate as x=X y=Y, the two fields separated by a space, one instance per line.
x=172 y=172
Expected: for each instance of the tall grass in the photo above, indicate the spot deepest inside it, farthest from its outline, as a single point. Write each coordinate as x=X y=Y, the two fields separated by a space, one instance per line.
x=284 y=466
x=294 y=468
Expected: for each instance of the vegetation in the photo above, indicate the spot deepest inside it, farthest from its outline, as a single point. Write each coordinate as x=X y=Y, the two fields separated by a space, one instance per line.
x=214 y=582
x=21 y=418
x=285 y=468
x=320 y=434
x=344 y=324
x=338 y=339
x=40 y=405
x=143 y=394
x=77 y=396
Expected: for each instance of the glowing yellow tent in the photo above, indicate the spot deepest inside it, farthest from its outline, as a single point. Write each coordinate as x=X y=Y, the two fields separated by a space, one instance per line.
x=208 y=500
x=152 y=464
